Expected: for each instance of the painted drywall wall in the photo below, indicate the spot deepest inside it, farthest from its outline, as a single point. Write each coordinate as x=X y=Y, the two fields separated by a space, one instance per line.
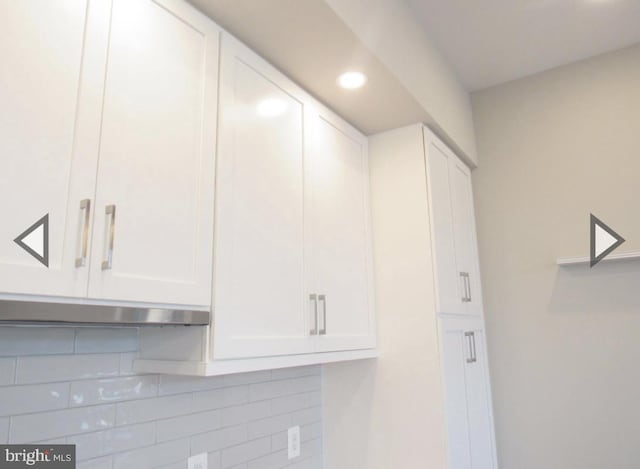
x=75 y=386
x=391 y=30
x=389 y=413
x=563 y=342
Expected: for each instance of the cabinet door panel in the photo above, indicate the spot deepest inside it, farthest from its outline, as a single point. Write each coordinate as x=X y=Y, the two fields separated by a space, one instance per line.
x=341 y=249
x=479 y=406
x=51 y=82
x=260 y=304
x=468 y=394
x=157 y=156
x=454 y=356
x=449 y=284
x=464 y=232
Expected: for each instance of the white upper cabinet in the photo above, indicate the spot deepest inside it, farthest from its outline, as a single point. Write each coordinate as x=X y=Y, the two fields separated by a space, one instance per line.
x=292 y=245
x=109 y=127
x=453 y=233
x=341 y=244
x=52 y=58
x=261 y=300
x=155 y=185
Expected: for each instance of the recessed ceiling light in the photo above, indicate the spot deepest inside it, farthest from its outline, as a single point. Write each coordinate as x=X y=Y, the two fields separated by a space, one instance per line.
x=352 y=80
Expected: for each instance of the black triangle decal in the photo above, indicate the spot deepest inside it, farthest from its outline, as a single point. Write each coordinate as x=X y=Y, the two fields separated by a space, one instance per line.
x=44 y=222
x=595 y=222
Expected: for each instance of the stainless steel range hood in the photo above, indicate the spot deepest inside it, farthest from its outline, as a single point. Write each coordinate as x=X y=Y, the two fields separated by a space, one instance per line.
x=32 y=312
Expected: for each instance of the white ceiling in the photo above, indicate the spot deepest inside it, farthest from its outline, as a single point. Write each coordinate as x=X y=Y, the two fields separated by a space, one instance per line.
x=493 y=41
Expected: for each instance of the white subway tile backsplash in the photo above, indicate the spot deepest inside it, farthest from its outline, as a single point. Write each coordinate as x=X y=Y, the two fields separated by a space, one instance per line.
x=7 y=371
x=35 y=340
x=305 y=384
x=307 y=432
x=218 y=439
x=105 y=462
x=78 y=386
x=104 y=391
x=49 y=369
x=179 y=384
x=186 y=425
x=244 y=413
x=4 y=430
x=214 y=460
x=219 y=398
x=153 y=456
x=112 y=441
x=106 y=339
x=283 y=405
x=269 y=426
x=311 y=448
x=245 y=452
x=310 y=463
x=44 y=425
x=126 y=363
x=147 y=410
x=15 y=400
x=268 y=390
x=274 y=460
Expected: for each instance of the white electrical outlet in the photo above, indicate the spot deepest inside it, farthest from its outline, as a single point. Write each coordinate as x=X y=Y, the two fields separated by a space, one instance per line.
x=294 y=442
x=199 y=461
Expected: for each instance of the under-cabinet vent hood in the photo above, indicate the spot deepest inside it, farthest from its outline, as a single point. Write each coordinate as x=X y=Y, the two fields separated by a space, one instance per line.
x=22 y=312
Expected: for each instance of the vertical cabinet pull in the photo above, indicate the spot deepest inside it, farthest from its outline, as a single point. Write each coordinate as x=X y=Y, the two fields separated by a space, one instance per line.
x=313 y=297
x=110 y=211
x=323 y=300
x=85 y=208
x=468 y=278
x=471 y=339
x=466 y=294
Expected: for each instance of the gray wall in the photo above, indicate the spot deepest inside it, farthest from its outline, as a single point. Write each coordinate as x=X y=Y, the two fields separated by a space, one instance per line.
x=564 y=343
x=66 y=385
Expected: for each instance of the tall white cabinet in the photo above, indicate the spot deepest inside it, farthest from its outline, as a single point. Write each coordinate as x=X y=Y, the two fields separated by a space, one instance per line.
x=431 y=383
x=458 y=308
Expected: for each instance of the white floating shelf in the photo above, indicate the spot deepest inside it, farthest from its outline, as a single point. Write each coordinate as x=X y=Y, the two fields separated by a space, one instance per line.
x=585 y=260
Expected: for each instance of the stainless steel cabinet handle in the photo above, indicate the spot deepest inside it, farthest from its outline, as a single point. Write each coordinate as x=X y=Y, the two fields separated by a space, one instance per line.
x=471 y=338
x=469 y=289
x=85 y=206
x=313 y=297
x=465 y=286
x=323 y=299
x=111 y=211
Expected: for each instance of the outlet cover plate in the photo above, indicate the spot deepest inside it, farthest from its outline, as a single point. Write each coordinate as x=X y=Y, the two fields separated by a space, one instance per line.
x=199 y=461
x=293 y=435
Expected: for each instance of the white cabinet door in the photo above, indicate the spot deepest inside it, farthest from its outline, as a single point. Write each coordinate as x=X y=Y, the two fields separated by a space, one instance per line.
x=261 y=301
x=52 y=59
x=453 y=365
x=341 y=243
x=449 y=285
x=155 y=188
x=481 y=433
x=452 y=230
x=468 y=395
x=465 y=234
